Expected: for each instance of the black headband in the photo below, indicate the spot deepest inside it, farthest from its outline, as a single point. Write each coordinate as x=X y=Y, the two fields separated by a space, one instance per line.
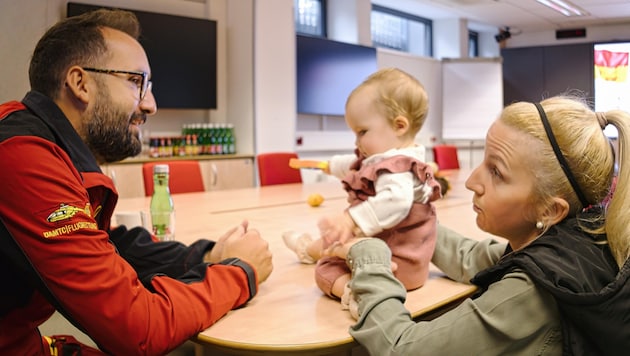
x=560 y=157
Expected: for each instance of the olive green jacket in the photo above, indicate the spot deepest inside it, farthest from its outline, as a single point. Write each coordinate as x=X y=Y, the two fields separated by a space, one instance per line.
x=513 y=317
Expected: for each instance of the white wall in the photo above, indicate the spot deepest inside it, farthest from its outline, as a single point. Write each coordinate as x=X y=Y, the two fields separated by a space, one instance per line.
x=450 y=38
x=240 y=72
x=17 y=47
x=274 y=76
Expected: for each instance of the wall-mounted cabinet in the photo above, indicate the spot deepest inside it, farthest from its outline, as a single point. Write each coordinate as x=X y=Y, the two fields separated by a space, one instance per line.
x=536 y=73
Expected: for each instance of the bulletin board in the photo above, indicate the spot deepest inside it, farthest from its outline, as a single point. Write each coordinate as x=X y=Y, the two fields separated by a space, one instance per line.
x=472 y=97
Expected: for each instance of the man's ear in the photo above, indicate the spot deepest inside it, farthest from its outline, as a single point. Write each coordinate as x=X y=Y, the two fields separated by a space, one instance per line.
x=556 y=212
x=401 y=125
x=76 y=84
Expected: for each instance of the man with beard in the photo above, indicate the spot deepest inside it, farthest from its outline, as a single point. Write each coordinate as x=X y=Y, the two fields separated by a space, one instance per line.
x=90 y=90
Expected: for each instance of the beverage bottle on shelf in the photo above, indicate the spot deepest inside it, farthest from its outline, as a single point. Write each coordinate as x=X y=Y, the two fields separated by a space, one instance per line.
x=154 y=147
x=231 y=139
x=218 y=133
x=201 y=140
x=168 y=149
x=189 y=145
x=226 y=139
x=162 y=209
x=162 y=147
x=198 y=145
x=205 y=138
x=213 y=139
x=195 y=144
x=182 y=146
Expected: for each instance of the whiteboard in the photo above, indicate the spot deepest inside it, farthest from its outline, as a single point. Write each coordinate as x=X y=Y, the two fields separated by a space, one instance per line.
x=472 y=97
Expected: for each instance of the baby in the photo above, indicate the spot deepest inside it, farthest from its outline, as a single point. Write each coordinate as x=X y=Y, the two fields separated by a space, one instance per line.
x=388 y=184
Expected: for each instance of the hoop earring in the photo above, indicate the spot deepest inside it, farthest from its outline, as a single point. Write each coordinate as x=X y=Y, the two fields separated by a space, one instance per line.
x=540 y=225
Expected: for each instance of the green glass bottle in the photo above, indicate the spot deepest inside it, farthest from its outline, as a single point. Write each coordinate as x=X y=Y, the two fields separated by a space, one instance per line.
x=231 y=139
x=162 y=209
x=213 y=139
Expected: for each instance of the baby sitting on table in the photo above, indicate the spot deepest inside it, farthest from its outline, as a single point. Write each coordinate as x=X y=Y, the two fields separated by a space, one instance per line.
x=388 y=184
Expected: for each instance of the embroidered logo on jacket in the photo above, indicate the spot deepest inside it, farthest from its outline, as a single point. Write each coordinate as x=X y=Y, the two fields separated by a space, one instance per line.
x=65 y=212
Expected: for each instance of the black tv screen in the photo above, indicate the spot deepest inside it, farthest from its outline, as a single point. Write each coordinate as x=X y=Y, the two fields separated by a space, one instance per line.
x=327 y=71
x=182 y=53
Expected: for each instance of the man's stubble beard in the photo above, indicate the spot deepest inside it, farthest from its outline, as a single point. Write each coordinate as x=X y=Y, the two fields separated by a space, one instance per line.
x=109 y=133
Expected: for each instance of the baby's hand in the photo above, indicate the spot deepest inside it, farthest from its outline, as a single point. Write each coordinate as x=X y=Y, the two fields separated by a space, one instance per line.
x=335 y=229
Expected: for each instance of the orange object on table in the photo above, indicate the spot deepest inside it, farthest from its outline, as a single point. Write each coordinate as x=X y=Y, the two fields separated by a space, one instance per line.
x=306 y=163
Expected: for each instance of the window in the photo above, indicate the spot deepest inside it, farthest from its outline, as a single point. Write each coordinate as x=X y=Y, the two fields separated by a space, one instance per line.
x=401 y=31
x=390 y=31
x=310 y=17
x=473 y=44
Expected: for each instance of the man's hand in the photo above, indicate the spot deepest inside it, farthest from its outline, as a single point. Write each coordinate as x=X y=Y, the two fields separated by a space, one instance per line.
x=214 y=255
x=246 y=245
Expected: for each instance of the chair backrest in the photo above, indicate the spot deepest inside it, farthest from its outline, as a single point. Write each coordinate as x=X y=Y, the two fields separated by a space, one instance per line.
x=445 y=156
x=184 y=177
x=273 y=168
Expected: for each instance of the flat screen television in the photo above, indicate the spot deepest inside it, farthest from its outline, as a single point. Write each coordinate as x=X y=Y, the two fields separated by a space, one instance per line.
x=182 y=53
x=612 y=83
x=327 y=71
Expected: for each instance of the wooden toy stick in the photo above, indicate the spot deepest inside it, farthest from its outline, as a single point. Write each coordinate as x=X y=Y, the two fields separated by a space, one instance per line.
x=306 y=163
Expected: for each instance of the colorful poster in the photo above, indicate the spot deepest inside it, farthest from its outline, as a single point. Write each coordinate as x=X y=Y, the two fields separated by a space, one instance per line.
x=612 y=86
x=611 y=66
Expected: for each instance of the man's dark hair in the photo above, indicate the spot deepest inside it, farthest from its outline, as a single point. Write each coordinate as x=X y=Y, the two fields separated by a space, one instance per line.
x=76 y=40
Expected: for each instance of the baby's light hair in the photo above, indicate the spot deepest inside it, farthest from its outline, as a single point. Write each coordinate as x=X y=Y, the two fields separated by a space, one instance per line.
x=398 y=94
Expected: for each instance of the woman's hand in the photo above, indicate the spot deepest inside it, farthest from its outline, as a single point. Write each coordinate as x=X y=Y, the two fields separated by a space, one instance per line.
x=342 y=250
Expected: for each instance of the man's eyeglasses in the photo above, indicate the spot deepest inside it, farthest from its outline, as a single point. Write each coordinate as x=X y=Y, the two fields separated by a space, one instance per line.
x=141 y=79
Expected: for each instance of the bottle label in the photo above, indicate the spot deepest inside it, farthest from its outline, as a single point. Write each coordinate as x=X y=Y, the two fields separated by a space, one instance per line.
x=163 y=224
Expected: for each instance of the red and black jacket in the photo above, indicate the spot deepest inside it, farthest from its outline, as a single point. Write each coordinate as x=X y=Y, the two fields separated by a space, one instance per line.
x=130 y=294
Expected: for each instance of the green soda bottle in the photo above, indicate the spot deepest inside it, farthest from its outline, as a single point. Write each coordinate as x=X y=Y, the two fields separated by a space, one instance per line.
x=231 y=139
x=162 y=209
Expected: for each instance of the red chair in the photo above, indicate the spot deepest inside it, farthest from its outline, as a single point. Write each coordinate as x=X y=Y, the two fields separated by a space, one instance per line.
x=273 y=168
x=445 y=156
x=184 y=177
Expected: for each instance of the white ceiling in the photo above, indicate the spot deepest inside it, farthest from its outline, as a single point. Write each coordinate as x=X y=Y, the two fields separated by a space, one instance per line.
x=519 y=15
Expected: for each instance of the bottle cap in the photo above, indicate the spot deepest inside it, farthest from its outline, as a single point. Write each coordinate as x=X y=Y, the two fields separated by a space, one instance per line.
x=160 y=168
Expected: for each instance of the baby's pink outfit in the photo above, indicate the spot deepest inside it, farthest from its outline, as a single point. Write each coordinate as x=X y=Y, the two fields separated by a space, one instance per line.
x=412 y=241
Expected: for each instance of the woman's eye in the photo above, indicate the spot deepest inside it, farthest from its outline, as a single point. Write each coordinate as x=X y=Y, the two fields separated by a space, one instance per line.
x=495 y=172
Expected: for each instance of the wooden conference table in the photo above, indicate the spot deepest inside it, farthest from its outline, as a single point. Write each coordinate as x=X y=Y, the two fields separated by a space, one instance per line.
x=290 y=315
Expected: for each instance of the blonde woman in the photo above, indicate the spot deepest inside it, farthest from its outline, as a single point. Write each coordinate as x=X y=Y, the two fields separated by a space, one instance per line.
x=560 y=285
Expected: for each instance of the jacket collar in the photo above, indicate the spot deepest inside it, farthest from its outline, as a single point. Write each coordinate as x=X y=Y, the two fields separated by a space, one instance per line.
x=65 y=134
